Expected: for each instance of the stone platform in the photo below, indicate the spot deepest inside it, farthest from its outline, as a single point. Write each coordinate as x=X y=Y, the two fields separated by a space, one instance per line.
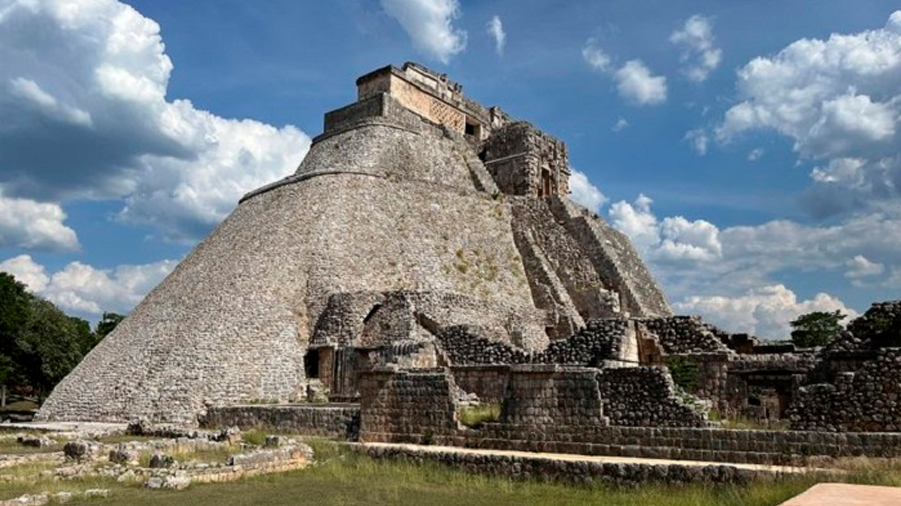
x=843 y=494
x=581 y=468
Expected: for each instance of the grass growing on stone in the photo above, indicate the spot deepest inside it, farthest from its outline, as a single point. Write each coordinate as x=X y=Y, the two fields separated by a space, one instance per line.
x=475 y=416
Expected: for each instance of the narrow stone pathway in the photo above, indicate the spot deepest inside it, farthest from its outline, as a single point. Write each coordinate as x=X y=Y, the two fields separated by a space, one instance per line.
x=566 y=457
x=844 y=494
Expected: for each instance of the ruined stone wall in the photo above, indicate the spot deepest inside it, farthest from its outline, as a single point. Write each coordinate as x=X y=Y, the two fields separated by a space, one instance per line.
x=416 y=403
x=488 y=382
x=867 y=400
x=710 y=380
x=644 y=397
x=381 y=318
x=562 y=410
x=326 y=421
x=525 y=467
x=601 y=340
x=465 y=345
x=684 y=334
x=542 y=397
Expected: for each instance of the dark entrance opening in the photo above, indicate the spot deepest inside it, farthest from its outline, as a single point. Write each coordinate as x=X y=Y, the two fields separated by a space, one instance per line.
x=311 y=364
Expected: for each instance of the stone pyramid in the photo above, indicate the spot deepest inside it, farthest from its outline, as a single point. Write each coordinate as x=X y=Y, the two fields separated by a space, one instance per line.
x=416 y=209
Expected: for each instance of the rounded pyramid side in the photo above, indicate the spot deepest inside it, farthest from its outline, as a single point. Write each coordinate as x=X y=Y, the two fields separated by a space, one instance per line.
x=375 y=208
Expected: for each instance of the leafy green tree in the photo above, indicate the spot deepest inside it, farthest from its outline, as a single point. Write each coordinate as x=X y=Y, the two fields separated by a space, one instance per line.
x=107 y=324
x=816 y=328
x=15 y=304
x=51 y=345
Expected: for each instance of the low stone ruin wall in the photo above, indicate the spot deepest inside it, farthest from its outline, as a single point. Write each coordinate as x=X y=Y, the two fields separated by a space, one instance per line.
x=553 y=410
x=600 y=340
x=866 y=400
x=418 y=403
x=567 y=471
x=676 y=443
x=340 y=421
x=488 y=382
x=684 y=334
x=644 y=397
x=546 y=396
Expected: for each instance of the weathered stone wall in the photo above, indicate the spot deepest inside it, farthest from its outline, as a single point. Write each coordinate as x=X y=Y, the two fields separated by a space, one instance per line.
x=488 y=382
x=711 y=379
x=684 y=334
x=465 y=345
x=381 y=318
x=328 y=421
x=644 y=397
x=867 y=400
x=614 y=258
x=526 y=161
x=542 y=397
x=567 y=471
x=415 y=403
x=677 y=443
x=601 y=340
x=572 y=268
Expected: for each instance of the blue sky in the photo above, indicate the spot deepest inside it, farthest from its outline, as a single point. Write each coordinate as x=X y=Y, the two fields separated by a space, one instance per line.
x=750 y=149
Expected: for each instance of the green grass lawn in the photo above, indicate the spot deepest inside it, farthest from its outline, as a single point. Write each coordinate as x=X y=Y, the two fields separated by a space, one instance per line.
x=345 y=478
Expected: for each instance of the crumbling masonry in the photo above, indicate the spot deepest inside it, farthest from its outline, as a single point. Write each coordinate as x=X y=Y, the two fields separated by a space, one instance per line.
x=425 y=257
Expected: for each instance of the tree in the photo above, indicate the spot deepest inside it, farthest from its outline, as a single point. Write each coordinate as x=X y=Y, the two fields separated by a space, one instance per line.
x=39 y=344
x=15 y=304
x=51 y=345
x=107 y=324
x=816 y=328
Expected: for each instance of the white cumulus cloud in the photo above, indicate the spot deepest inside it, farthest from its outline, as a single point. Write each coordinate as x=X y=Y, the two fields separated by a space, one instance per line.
x=860 y=267
x=671 y=240
x=620 y=125
x=703 y=267
x=698 y=49
x=85 y=290
x=429 y=23
x=635 y=82
x=764 y=312
x=34 y=225
x=637 y=85
x=584 y=192
x=496 y=30
x=838 y=99
x=90 y=79
x=26 y=271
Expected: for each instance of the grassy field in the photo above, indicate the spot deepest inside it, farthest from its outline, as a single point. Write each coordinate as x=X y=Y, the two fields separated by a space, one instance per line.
x=344 y=478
